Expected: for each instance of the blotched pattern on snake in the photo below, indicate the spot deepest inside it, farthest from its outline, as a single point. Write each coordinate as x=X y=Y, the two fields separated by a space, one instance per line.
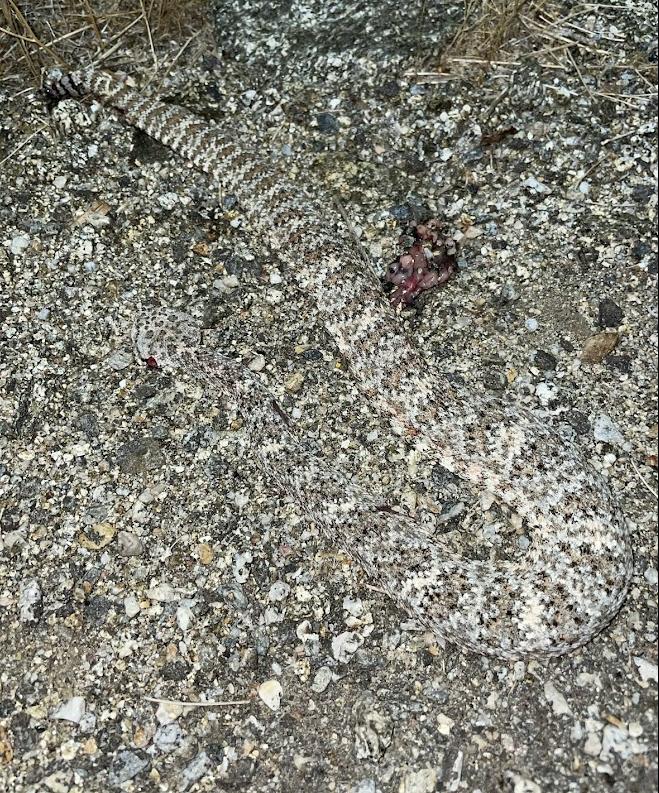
x=573 y=578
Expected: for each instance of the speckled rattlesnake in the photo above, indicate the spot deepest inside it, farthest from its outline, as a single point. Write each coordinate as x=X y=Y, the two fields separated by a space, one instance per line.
x=575 y=574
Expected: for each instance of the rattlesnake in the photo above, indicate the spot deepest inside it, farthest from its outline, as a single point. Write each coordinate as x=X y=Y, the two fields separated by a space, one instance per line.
x=575 y=574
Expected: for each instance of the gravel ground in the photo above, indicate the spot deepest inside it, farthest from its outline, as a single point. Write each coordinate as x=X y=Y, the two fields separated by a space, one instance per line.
x=144 y=561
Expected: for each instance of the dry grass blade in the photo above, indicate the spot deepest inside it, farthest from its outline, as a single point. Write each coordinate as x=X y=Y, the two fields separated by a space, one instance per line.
x=65 y=32
x=93 y=21
x=23 y=143
x=583 y=40
x=20 y=29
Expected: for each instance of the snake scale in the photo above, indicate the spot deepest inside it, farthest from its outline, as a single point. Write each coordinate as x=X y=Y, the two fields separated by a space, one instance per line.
x=575 y=573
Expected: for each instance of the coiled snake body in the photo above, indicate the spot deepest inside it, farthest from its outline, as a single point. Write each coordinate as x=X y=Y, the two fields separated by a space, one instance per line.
x=575 y=574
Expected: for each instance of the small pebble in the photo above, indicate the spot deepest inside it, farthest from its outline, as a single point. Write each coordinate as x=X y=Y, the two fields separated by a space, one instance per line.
x=257 y=364
x=322 y=679
x=270 y=693
x=421 y=781
x=345 y=645
x=598 y=347
x=126 y=767
x=168 y=200
x=557 y=700
x=29 y=601
x=610 y=314
x=19 y=245
x=184 y=617
x=444 y=724
x=241 y=566
x=545 y=361
x=131 y=606
x=327 y=123
x=605 y=431
x=167 y=712
x=195 y=770
x=279 y=591
x=646 y=669
x=129 y=544
x=168 y=737
x=205 y=553
x=294 y=383
x=162 y=593
x=73 y=710
x=593 y=745
x=121 y=359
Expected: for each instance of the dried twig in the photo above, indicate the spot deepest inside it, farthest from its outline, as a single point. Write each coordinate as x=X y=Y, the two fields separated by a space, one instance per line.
x=145 y=17
x=198 y=704
x=23 y=143
x=648 y=487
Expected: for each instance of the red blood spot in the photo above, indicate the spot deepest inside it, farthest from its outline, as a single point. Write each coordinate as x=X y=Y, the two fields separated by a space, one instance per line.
x=151 y=362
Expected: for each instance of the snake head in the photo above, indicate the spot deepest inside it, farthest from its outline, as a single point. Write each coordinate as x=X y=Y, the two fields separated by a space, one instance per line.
x=162 y=335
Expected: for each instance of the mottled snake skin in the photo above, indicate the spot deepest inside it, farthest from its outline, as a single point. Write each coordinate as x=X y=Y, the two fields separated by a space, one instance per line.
x=574 y=576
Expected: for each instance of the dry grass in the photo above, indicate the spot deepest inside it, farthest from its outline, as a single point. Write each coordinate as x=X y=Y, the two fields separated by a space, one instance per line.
x=39 y=35
x=502 y=34
x=499 y=34
x=488 y=26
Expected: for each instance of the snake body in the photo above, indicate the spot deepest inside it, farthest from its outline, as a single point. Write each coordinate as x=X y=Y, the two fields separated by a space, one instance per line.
x=575 y=573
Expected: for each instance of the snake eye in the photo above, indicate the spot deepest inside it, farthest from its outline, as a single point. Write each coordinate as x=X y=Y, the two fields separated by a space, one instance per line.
x=151 y=362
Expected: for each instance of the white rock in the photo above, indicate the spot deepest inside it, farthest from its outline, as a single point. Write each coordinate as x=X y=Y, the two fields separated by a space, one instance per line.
x=131 y=606
x=168 y=737
x=241 y=499
x=73 y=710
x=635 y=729
x=546 y=392
x=119 y=360
x=19 y=244
x=365 y=786
x=353 y=607
x=522 y=784
x=345 y=645
x=168 y=712
x=593 y=745
x=606 y=431
x=129 y=544
x=196 y=769
x=647 y=670
x=536 y=185
x=241 y=566
x=168 y=200
x=322 y=679
x=617 y=740
x=272 y=616
x=557 y=700
x=257 y=364
x=422 y=781
x=279 y=591
x=270 y=693
x=444 y=724
x=184 y=617
x=29 y=598
x=162 y=593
